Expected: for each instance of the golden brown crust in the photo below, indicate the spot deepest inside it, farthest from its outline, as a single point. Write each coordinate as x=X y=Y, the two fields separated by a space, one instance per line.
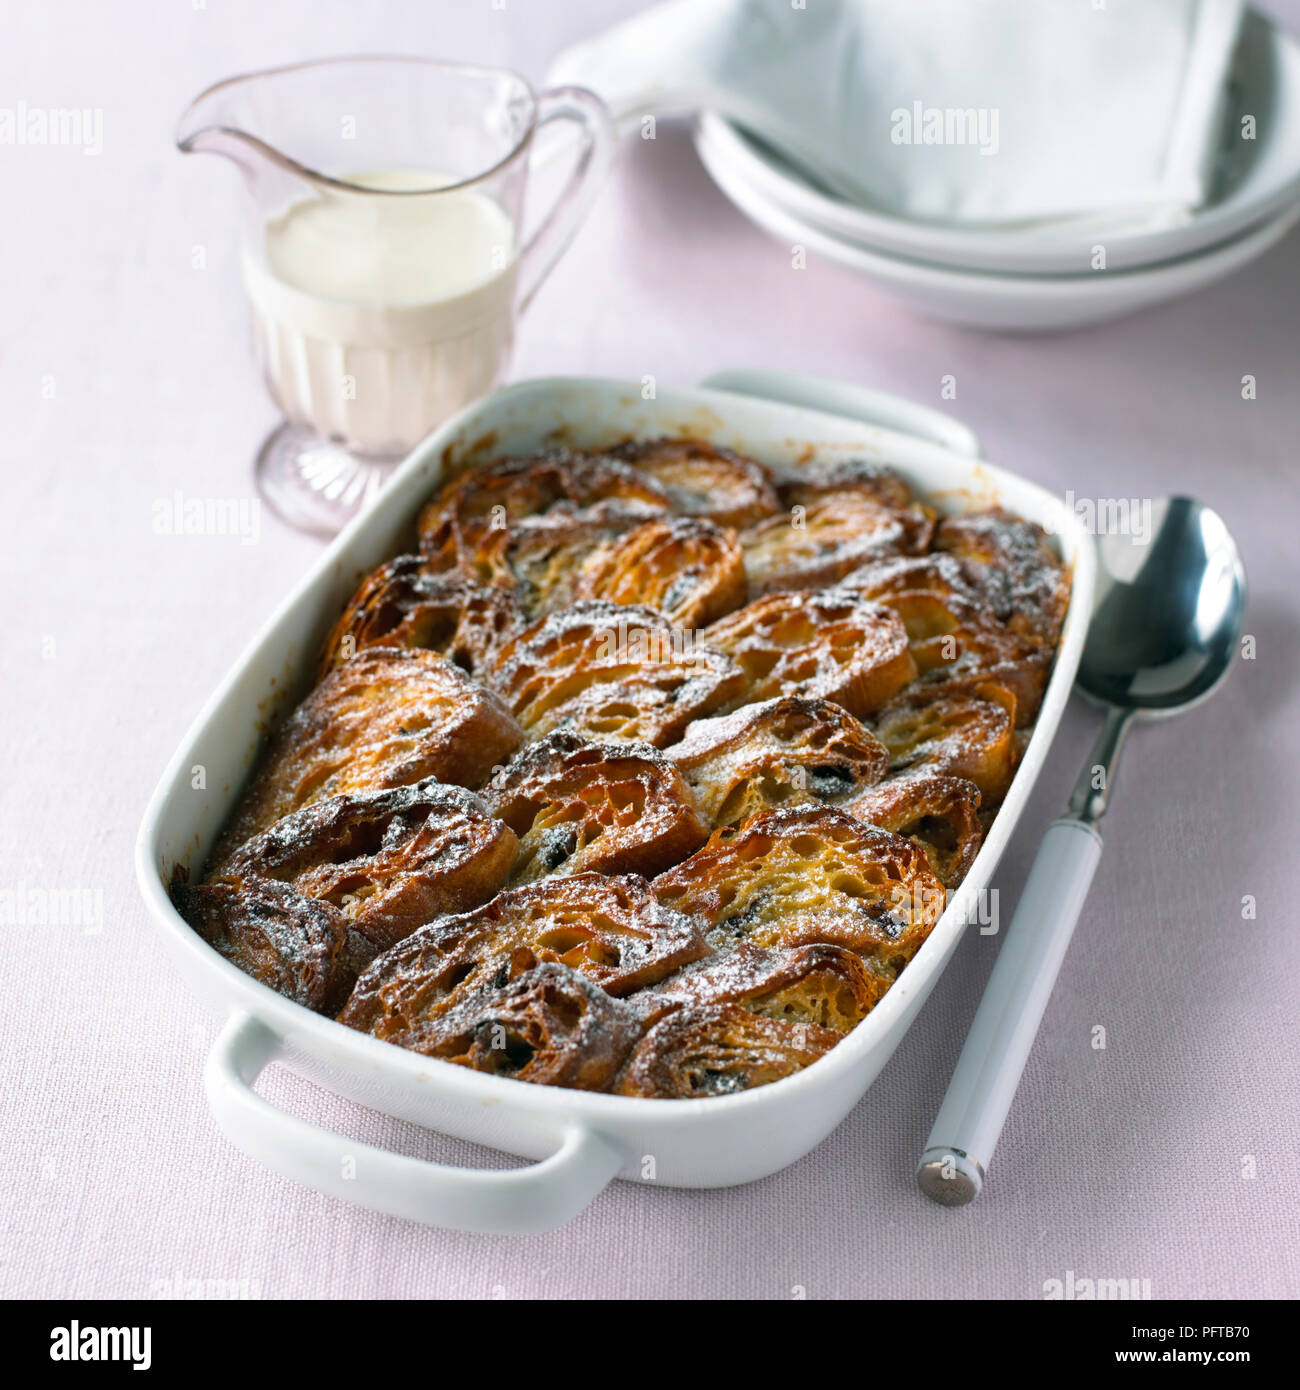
x=951 y=731
x=387 y=717
x=878 y=481
x=1014 y=565
x=613 y=930
x=718 y=1050
x=301 y=948
x=937 y=813
x=615 y=808
x=442 y=964
x=959 y=645
x=825 y=985
x=388 y=860
x=801 y=877
x=830 y=535
x=547 y=1025
x=702 y=480
x=931 y=573
x=788 y=751
x=403 y=605
x=831 y=644
x=691 y=571
x=540 y=558
x=613 y=672
x=459 y=520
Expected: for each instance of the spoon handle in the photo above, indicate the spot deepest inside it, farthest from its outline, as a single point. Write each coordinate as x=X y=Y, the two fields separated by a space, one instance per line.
x=979 y=1095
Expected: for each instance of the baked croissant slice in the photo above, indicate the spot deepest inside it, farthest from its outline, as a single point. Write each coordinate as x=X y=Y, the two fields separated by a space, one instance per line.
x=878 y=481
x=548 y=1025
x=691 y=571
x=540 y=558
x=824 y=985
x=937 y=813
x=613 y=808
x=387 y=717
x=718 y=1050
x=832 y=534
x=955 y=732
x=702 y=480
x=958 y=644
x=788 y=751
x=461 y=517
x=300 y=947
x=612 y=672
x=932 y=573
x=613 y=930
x=802 y=877
x=830 y=644
x=389 y=860
x=1012 y=563
x=403 y=605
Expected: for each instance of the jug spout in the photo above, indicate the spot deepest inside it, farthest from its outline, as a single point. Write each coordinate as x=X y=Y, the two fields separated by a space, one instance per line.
x=215 y=139
x=214 y=124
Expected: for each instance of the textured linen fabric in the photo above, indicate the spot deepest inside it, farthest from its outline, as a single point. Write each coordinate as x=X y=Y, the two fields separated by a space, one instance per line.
x=1097 y=115
x=1167 y=1156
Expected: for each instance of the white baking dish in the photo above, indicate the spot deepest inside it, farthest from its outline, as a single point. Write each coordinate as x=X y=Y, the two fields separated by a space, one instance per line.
x=584 y=1140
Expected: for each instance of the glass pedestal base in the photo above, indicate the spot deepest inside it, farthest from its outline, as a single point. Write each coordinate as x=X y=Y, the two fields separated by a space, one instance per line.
x=313 y=485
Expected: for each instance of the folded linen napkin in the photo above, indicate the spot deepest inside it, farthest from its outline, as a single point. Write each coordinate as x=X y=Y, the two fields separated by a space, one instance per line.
x=995 y=113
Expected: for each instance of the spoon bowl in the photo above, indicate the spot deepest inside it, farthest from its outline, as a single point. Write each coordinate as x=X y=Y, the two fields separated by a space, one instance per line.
x=1167 y=618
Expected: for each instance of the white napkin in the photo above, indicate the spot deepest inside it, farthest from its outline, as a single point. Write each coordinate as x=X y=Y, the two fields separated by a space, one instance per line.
x=995 y=113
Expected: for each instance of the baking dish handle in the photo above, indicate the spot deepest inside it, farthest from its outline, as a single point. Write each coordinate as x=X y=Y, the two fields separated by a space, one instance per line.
x=857 y=402
x=514 y=1201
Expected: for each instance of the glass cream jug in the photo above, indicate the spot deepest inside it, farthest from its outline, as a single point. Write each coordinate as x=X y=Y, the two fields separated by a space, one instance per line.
x=383 y=251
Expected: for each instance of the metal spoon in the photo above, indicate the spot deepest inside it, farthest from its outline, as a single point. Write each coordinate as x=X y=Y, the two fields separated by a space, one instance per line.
x=1165 y=628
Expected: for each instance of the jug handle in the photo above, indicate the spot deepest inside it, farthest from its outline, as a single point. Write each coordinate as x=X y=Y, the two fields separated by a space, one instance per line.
x=548 y=241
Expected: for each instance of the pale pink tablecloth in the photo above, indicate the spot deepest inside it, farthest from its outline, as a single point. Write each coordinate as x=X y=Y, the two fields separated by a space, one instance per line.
x=1168 y=1156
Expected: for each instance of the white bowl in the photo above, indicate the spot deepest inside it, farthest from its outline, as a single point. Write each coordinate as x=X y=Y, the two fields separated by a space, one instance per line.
x=1257 y=180
x=583 y=1139
x=1008 y=303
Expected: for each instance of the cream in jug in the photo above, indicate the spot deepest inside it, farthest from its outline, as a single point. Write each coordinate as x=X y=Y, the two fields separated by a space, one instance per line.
x=375 y=318
x=384 y=299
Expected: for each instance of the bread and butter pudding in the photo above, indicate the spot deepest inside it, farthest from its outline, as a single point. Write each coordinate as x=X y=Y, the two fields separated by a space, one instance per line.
x=648 y=773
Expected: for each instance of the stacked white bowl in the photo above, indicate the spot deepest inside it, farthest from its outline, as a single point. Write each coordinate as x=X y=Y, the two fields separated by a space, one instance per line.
x=1048 y=278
